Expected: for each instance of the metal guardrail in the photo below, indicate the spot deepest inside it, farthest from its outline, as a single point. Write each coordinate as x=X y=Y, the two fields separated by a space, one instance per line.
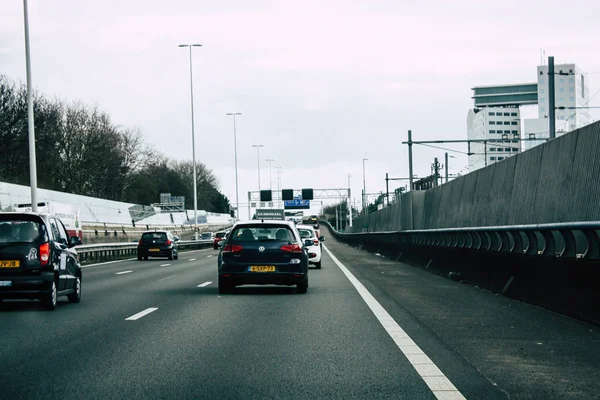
x=112 y=251
x=572 y=240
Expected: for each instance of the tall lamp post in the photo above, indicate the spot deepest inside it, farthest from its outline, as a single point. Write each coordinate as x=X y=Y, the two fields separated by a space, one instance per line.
x=237 y=193
x=364 y=186
x=30 y=119
x=279 y=185
x=258 y=146
x=349 y=203
x=270 y=161
x=193 y=141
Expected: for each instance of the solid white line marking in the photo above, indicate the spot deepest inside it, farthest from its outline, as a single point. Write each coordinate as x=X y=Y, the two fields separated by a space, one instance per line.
x=107 y=262
x=164 y=265
x=141 y=314
x=192 y=259
x=435 y=379
x=204 y=284
x=123 y=272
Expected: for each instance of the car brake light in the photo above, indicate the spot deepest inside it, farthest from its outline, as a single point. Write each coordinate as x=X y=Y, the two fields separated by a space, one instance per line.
x=311 y=255
x=316 y=242
x=140 y=242
x=291 y=248
x=232 y=248
x=45 y=254
x=168 y=242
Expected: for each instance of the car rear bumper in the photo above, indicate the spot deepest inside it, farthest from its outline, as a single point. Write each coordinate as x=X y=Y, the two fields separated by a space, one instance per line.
x=264 y=278
x=25 y=286
x=162 y=252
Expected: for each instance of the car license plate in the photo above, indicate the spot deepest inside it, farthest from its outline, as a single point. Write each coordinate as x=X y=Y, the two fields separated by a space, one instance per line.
x=5 y=283
x=10 y=264
x=262 y=268
x=154 y=249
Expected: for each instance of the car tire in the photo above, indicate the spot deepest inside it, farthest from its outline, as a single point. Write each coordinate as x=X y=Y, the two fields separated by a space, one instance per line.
x=225 y=288
x=139 y=257
x=318 y=265
x=302 y=287
x=176 y=256
x=76 y=297
x=146 y=258
x=171 y=255
x=49 y=300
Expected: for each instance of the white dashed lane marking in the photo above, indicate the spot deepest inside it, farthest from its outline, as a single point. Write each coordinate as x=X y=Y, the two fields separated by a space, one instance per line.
x=141 y=314
x=164 y=265
x=123 y=272
x=204 y=284
x=192 y=259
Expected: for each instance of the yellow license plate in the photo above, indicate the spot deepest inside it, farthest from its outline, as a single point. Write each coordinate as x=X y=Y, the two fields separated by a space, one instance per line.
x=154 y=249
x=10 y=264
x=262 y=268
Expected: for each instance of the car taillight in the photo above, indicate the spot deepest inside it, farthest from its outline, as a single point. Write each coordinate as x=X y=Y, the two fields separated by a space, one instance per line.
x=232 y=248
x=311 y=255
x=168 y=242
x=316 y=242
x=291 y=248
x=140 y=242
x=45 y=254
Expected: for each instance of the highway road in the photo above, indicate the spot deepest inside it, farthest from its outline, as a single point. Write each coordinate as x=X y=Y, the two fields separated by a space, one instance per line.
x=368 y=328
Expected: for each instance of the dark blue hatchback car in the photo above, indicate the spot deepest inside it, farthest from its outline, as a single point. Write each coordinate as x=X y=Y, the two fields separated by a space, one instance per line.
x=263 y=253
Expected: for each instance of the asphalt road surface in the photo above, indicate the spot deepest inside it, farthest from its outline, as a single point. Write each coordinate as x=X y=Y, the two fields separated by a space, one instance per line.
x=368 y=328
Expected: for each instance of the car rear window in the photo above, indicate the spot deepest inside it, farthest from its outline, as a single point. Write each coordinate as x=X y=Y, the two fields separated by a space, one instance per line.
x=263 y=233
x=305 y=233
x=155 y=235
x=21 y=231
x=207 y=236
x=220 y=234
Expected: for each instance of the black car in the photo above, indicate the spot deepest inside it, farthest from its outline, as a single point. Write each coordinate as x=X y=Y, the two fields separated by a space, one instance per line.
x=38 y=259
x=263 y=253
x=158 y=244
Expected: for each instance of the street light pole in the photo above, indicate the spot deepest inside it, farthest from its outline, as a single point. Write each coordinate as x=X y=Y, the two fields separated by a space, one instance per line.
x=30 y=119
x=364 y=185
x=193 y=141
x=270 y=161
x=279 y=185
x=237 y=194
x=258 y=146
x=349 y=202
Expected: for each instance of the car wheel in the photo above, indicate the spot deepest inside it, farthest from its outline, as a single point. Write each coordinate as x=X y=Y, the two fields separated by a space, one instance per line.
x=139 y=257
x=49 y=299
x=146 y=258
x=176 y=256
x=76 y=296
x=225 y=288
x=318 y=265
x=302 y=287
x=171 y=255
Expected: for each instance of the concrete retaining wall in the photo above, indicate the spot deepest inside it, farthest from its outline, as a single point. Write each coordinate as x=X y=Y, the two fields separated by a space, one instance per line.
x=558 y=181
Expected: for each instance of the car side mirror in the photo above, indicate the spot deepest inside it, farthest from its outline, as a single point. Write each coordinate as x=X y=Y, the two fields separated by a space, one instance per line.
x=176 y=238
x=308 y=242
x=322 y=238
x=74 y=241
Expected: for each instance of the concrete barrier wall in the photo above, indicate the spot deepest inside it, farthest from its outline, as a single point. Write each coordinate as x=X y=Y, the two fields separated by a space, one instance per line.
x=558 y=181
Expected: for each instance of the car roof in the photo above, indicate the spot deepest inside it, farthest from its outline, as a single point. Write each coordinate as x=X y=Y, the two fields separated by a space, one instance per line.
x=264 y=221
x=156 y=231
x=310 y=227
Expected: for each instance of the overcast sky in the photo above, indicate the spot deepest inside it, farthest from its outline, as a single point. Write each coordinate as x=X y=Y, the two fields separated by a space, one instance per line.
x=321 y=84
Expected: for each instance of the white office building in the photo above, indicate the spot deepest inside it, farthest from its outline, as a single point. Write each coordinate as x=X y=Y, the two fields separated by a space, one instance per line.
x=571 y=92
x=497 y=115
x=496 y=131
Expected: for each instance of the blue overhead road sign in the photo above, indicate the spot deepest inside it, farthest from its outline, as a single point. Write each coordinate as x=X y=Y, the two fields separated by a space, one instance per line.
x=296 y=204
